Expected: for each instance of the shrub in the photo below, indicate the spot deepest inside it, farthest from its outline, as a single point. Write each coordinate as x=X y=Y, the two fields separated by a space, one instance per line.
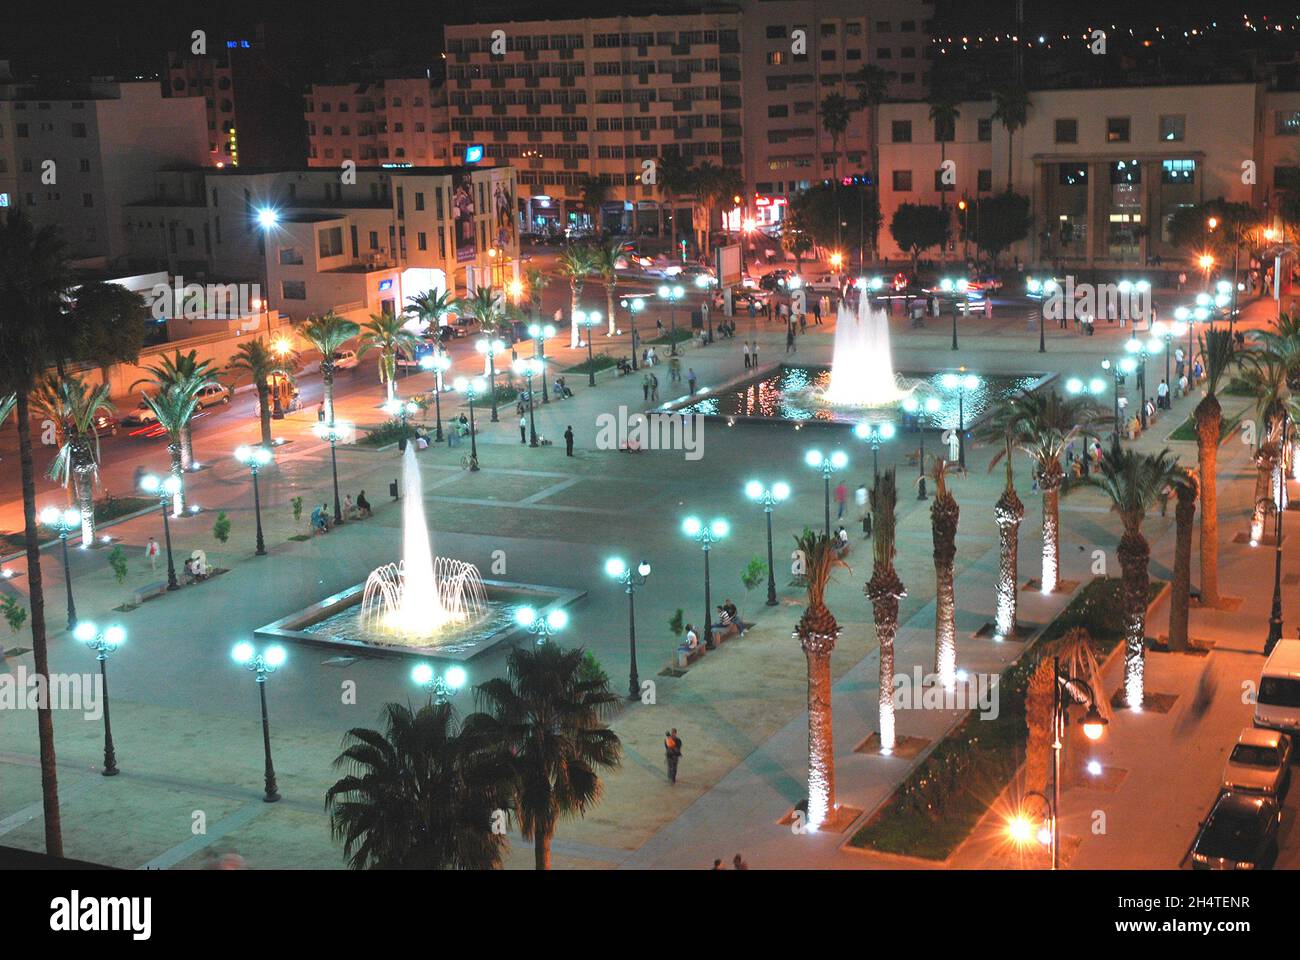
x=296 y=503
x=754 y=574
x=221 y=528
x=390 y=431
x=591 y=671
x=677 y=622
x=14 y=614
x=117 y=561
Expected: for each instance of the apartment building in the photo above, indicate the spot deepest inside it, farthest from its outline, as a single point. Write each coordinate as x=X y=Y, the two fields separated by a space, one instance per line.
x=319 y=241
x=394 y=120
x=73 y=156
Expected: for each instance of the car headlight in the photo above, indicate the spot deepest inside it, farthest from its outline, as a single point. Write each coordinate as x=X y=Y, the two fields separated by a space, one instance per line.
x=1245 y=866
x=1200 y=858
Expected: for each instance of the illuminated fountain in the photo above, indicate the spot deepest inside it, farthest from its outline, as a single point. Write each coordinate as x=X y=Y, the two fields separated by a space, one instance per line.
x=862 y=363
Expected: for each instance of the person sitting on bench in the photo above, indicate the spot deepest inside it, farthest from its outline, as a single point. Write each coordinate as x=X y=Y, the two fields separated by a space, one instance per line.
x=690 y=643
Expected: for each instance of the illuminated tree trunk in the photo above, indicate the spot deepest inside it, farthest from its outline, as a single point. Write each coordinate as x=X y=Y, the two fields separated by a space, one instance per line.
x=944 y=515
x=1051 y=486
x=609 y=305
x=264 y=411
x=884 y=590
x=1008 y=512
x=1208 y=420
x=83 y=482
x=187 y=448
x=821 y=741
x=575 y=291
x=1038 y=724
x=1134 y=555
x=327 y=382
x=178 y=471
x=1181 y=589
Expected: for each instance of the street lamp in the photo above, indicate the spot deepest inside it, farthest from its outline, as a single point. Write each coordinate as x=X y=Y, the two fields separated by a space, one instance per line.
x=439 y=363
x=103 y=643
x=1143 y=350
x=164 y=489
x=672 y=295
x=1167 y=332
x=334 y=432
x=953 y=287
x=1275 y=616
x=441 y=686
x=254 y=457
x=631 y=579
x=875 y=434
x=1021 y=826
x=529 y=367
x=472 y=388
x=961 y=382
x=490 y=349
x=1118 y=371
x=633 y=306
x=706 y=536
x=914 y=407
x=588 y=319
x=542 y=627
x=262 y=665
x=827 y=465
x=63 y=521
x=1095 y=386
x=1094 y=727
x=539 y=332
x=768 y=497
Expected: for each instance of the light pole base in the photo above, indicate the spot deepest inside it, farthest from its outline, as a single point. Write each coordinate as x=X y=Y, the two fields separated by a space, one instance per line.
x=110 y=771
x=271 y=798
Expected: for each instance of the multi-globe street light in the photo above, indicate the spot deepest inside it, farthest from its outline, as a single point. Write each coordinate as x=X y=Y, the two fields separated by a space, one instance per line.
x=439 y=363
x=961 y=381
x=631 y=579
x=633 y=306
x=539 y=332
x=472 y=388
x=164 y=489
x=529 y=367
x=1167 y=332
x=262 y=665
x=838 y=460
x=588 y=319
x=103 y=643
x=63 y=521
x=1143 y=350
x=253 y=458
x=333 y=432
x=768 y=497
x=542 y=627
x=672 y=294
x=490 y=347
x=874 y=434
x=914 y=407
x=440 y=686
x=706 y=535
x=1118 y=371
x=1075 y=386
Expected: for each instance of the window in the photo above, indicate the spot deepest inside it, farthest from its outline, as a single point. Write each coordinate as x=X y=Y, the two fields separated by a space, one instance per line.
x=945 y=129
x=1125 y=171
x=828 y=29
x=83 y=165
x=884 y=53
x=985 y=129
x=852 y=54
x=1173 y=126
x=902 y=181
x=1286 y=123
x=421 y=241
x=290 y=256
x=828 y=55
x=21 y=129
x=1069 y=176
x=908 y=53
x=88 y=200
x=1177 y=171
x=776 y=31
x=853 y=29
x=374 y=239
x=901 y=131
x=330 y=242
x=78 y=129
x=1067 y=130
x=293 y=289
x=1117 y=129
x=778 y=111
x=882 y=26
x=984 y=181
x=419 y=201
x=775 y=58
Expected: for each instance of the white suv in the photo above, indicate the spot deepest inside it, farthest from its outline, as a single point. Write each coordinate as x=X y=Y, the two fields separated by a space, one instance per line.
x=1277 y=705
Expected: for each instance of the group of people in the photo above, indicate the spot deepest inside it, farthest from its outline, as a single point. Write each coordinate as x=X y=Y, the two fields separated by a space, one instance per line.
x=322 y=520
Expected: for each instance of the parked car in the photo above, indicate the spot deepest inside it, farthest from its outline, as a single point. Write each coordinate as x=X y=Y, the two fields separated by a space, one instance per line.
x=1259 y=763
x=1277 y=706
x=213 y=393
x=1239 y=834
x=345 y=359
x=140 y=414
x=106 y=423
x=822 y=282
x=776 y=278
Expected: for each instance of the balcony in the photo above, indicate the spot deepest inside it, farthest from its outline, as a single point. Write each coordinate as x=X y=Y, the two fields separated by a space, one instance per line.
x=730 y=75
x=682 y=77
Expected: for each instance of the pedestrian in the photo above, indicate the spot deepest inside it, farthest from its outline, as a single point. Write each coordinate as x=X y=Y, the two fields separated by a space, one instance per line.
x=803 y=323
x=568 y=441
x=745 y=350
x=789 y=340
x=866 y=524
x=753 y=354
x=690 y=379
x=675 y=369
x=841 y=497
x=1162 y=395
x=523 y=429
x=717 y=864
x=654 y=388
x=349 y=508
x=672 y=753
x=817 y=312
x=645 y=386
x=860 y=500
x=1178 y=362
x=363 y=506
x=738 y=862
x=320 y=413
x=151 y=553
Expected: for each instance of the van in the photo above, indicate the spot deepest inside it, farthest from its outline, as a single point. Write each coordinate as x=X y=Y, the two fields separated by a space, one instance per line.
x=1277 y=704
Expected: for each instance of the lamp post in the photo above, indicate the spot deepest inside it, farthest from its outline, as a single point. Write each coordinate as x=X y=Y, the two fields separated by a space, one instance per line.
x=490 y=349
x=672 y=295
x=875 y=434
x=334 y=432
x=262 y=665
x=542 y=627
x=706 y=536
x=472 y=388
x=103 y=643
x=254 y=457
x=914 y=407
x=768 y=497
x=704 y=282
x=827 y=465
x=1021 y=825
x=961 y=382
x=164 y=489
x=1118 y=371
x=1096 y=386
x=1167 y=332
x=439 y=363
x=539 y=332
x=1142 y=350
x=1094 y=726
x=529 y=367
x=953 y=288
x=1275 y=616
x=440 y=686
x=63 y=521
x=631 y=579
x=633 y=306
x=588 y=319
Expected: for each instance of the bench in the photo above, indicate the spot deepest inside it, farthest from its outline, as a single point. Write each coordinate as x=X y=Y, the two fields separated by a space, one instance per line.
x=684 y=658
x=142 y=594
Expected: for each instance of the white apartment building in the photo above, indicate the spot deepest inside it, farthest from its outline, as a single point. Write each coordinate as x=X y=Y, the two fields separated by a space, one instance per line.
x=397 y=120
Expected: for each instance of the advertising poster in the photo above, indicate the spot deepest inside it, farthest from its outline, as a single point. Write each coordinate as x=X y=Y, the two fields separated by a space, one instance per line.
x=462 y=205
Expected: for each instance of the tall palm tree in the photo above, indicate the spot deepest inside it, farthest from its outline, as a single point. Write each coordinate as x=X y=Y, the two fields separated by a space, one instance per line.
x=387 y=333
x=253 y=358
x=873 y=86
x=549 y=717
x=835 y=110
x=884 y=590
x=675 y=178
x=1180 y=594
x=419 y=795
x=607 y=256
x=576 y=263
x=430 y=308
x=1217 y=352
x=944 y=514
x=34 y=280
x=1011 y=106
x=7 y=406
x=944 y=115
x=328 y=333
x=1043 y=425
x=174 y=406
x=73 y=408
x=715 y=186
x=1134 y=482
x=817 y=632
x=1007 y=513
x=190 y=375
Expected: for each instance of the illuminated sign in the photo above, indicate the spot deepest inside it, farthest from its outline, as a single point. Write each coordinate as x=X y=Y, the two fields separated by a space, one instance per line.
x=4 y=199
x=473 y=152
x=386 y=284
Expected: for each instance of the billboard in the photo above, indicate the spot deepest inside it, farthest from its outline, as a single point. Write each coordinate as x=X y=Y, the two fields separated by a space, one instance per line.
x=727 y=264
x=462 y=207
x=503 y=213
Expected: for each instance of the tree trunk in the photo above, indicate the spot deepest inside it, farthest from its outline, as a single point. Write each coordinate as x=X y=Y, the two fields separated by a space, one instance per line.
x=178 y=471
x=1134 y=555
x=1038 y=726
x=821 y=743
x=1050 y=482
x=1208 y=417
x=1008 y=512
x=542 y=848
x=944 y=515
x=40 y=651
x=327 y=381
x=609 y=305
x=187 y=448
x=575 y=291
x=884 y=590
x=264 y=412
x=1181 y=589
x=83 y=482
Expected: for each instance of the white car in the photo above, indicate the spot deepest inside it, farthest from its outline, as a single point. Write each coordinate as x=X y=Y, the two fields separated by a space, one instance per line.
x=1259 y=763
x=1277 y=705
x=822 y=283
x=345 y=359
x=212 y=394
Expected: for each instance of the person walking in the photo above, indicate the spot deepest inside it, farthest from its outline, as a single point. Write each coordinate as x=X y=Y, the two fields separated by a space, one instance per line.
x=654 y=388
x=738 y=862
x=151 y=553
x=817 y=312
x=841 y=497
x=753 y=354
x=672 y=753
x=860 y=501
x=645 y=387
x=691 y=379
x=745 y=350
x=523 y=430
x=789 y=340
x=568 y=440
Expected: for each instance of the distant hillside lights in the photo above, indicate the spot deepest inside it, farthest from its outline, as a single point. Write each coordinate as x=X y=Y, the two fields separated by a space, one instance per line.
x=213 y=301
x=1125 y=301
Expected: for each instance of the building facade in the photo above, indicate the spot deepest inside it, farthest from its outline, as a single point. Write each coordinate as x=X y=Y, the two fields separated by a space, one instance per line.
x=396 y=120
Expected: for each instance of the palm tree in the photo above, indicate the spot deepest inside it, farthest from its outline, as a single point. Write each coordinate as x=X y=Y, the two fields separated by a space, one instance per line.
x=549 y=717
x=944 y=514
x=716 y=185
x=254 y=359
x=7 y=406
x=430 y=308
x=835 y=110
x=884 y=590
x=419 y=795
x=576 y=263
x=1217 y=353
x=873 y=85
x=73 y=408
x=34 y=281
x=674 y=177
x=189 y=374
x=174 y=406
x=817 y=632
x=594 y=191
x=1134 y=482
x=538 y=280
x=328 y=333
x=1181 y=587
x=1265 y=374
x=1043 y=425
x=1007 y=513
x=607 y=256
x=387 y=333
x=944 y=115
x=487 y=307
x=1011 y=106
